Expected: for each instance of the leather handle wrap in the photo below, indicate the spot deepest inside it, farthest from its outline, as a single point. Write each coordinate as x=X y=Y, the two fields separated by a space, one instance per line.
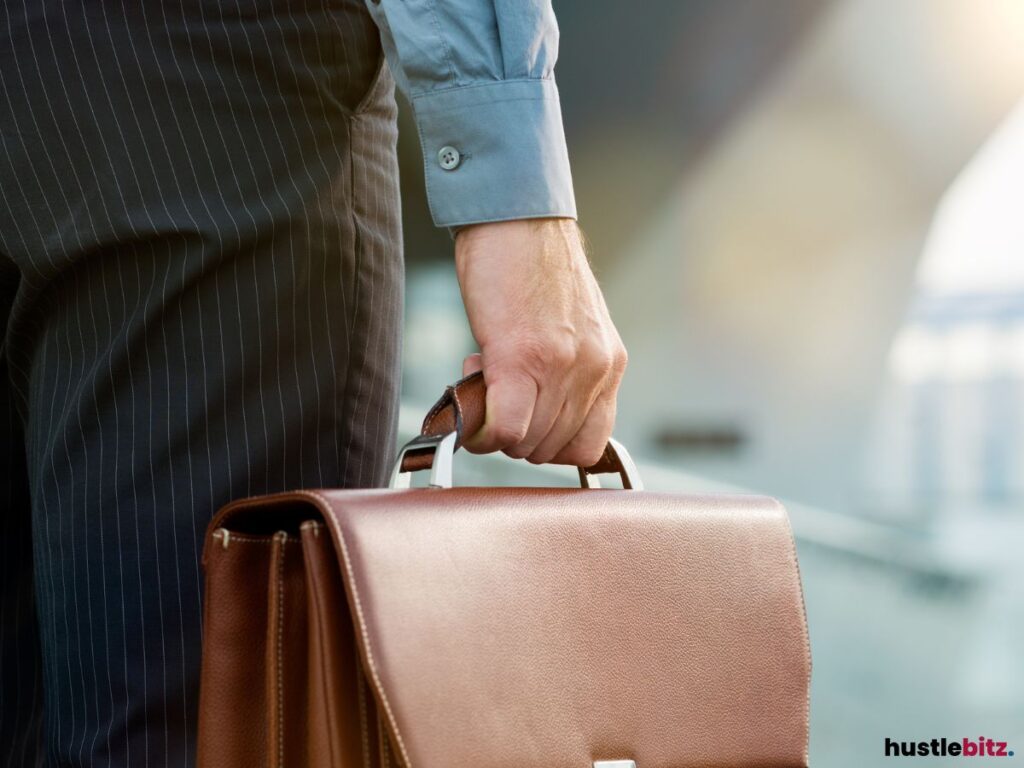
x=461 y=409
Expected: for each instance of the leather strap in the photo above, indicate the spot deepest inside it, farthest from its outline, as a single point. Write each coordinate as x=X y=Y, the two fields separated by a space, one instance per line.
x=461 y=409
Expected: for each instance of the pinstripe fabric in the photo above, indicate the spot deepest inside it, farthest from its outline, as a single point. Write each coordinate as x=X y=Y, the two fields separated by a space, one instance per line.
x=200 y=290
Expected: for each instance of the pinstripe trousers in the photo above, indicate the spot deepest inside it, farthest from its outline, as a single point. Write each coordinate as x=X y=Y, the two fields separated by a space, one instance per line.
x=200 y=299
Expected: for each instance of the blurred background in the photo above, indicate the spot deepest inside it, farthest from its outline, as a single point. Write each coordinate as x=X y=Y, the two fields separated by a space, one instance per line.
x=808 y=220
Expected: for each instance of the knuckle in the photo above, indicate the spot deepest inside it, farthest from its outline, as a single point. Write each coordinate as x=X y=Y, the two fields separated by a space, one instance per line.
x=621 y=358
x=615 y=364
x=519 y=451
x=562 y=354
x=538 y=457
x=588 y=455
x=544 y=354
x=507 y=435
x=601 y=360
x=607 y=364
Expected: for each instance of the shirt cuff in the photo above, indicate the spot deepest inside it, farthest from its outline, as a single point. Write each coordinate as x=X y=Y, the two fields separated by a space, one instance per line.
x=494 y=152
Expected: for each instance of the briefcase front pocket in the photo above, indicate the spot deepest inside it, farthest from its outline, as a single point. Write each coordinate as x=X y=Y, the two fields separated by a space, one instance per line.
x=282 y=683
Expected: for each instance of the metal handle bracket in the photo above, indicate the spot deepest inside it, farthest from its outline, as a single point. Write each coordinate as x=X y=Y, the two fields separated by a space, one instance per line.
x=443 y=447
x=441 y=467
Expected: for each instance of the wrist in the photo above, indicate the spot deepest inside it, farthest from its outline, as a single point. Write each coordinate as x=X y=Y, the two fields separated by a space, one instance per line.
x=466 y=234
x=523 y=240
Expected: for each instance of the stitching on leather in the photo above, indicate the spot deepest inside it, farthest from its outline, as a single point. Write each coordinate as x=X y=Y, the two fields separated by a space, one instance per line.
x=428 y=422
x=319 y=610
x=458 y=414
x=363 y=725
x=450 y=393
x=280 y=654
x=804 y=635
x=362 y=624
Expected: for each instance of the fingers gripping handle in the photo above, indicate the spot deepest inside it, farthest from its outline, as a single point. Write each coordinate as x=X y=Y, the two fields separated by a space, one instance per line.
x=460 y=413
x=460 y=410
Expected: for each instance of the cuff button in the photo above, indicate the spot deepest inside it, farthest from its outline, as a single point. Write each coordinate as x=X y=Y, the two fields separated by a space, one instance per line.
x=449 y=158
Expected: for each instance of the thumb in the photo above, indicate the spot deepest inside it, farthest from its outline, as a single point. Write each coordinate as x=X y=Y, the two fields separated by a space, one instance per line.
x=472 y=363
x=510 y=402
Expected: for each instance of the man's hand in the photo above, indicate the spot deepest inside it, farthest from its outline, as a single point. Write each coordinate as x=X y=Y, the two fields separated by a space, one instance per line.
x=551 y=356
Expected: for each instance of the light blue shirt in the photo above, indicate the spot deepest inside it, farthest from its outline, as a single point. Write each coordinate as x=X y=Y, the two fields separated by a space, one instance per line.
x=480 y=77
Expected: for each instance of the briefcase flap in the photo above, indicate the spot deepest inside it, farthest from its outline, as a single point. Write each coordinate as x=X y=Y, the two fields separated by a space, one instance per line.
x=551 y=628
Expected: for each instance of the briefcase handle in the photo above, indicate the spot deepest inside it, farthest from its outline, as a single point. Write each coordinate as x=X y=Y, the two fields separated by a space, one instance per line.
x=460 y=411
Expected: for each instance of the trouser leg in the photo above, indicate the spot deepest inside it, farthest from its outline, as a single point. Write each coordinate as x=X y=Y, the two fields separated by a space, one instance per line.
x=20 y=661
x=202 y=207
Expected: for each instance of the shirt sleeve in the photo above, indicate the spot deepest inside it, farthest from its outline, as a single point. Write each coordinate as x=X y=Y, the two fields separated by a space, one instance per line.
x=480 y=77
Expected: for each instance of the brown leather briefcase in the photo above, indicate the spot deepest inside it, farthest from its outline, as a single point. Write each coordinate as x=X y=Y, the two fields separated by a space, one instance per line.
x=445 y=627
